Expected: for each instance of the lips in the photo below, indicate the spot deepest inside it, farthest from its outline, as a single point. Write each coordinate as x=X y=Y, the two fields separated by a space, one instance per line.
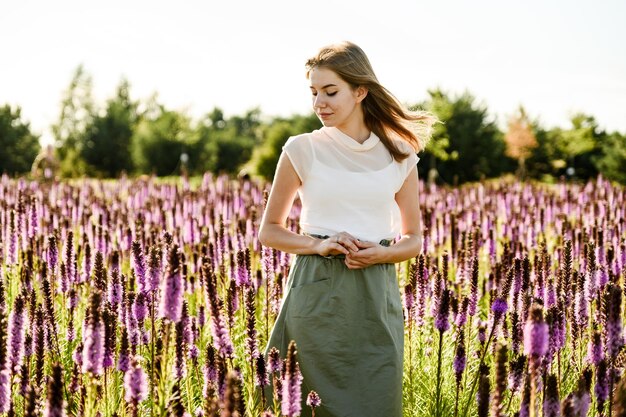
x=325 y=115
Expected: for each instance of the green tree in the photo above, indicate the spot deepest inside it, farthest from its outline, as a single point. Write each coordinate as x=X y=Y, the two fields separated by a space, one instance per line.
x=107 y=140
x=77 y=112
x=19 y=147
x=159 y=140
x=546 y=160
x=264 y=159
x=466 y=146
x=580 y=145
x=224 y=145
x=612 y=162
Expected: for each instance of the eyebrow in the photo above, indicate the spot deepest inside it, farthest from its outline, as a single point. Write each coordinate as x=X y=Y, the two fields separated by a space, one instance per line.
x=326 y=86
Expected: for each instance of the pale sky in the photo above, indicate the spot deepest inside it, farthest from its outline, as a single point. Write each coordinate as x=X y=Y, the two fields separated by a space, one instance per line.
x=554 y=57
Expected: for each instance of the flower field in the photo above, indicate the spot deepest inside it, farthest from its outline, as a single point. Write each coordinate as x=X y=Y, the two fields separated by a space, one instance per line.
x=152 y=298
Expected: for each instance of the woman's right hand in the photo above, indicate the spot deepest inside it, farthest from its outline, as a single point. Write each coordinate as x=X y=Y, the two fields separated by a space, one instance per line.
x=341 y=243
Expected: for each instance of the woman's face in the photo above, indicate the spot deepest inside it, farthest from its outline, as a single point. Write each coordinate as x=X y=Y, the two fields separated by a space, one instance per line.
x=335 y=102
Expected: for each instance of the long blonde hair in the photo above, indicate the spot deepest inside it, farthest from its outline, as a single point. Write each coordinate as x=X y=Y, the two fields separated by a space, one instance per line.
x=384 y=114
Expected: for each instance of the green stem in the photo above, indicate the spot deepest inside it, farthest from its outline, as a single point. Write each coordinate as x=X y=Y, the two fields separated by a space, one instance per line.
x=534 y=376
x=456 y=400
x=187 y=382
x=163 y=376
x=438 y=393
x=508 y=407
x=475 y=381
x=106 y=405
x=468 y=326
x=91 y=400
x=153 y=341
x=558 y=369
x=267 y=308
x=410 y=362
x=611 y=388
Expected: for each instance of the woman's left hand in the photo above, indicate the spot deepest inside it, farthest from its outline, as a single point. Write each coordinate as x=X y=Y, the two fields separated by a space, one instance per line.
x=369 y=254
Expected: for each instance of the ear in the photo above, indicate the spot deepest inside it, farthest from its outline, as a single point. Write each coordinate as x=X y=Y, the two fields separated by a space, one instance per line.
x=360 y=93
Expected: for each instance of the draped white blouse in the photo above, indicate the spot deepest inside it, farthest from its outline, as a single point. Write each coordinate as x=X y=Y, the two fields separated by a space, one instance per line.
x=348 y=186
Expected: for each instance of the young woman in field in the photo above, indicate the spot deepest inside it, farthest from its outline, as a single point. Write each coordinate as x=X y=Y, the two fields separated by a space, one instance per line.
x=357 y=181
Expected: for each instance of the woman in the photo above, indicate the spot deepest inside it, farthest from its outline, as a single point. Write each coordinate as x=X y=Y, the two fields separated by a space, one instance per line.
x=357 y=181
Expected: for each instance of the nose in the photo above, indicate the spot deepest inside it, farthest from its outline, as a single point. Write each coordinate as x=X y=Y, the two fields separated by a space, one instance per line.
x=318 y=102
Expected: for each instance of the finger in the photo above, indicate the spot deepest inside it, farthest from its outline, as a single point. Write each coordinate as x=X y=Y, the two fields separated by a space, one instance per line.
x=357 y=266
x=352 y=265
x=353 y=243
x=363 y=244
x=348 y=236
x=363 y=254
x=339 y=247
x=350 y=261
x=348 y=242
x=336 y=244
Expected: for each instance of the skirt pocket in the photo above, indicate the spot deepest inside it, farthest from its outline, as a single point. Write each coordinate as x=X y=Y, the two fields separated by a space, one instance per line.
x=310 y=299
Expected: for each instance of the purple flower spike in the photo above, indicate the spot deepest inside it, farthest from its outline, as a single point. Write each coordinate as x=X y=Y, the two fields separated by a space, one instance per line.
x=221 y=337
x=135 y=384
x=516 y=375
x=536 y=333
x=441 y=321
x=473 y=300
x=93 y=349
x=602 y=385
x=115 y=290
x=460 y=359
x=595 y=348
x=499 y=308
x=139 y=266
x=140 y=307
x=171 y=306
x=420 y=290
x=69 y=257
x=154 y=268
x=274 y=361
x=261 y=378
x=242 y=274
x=13 y=244
x=123 y=360
x=313 y=400
x=461 y=317
x=551 y=403
x=33 y=226
x=15 y=341
x=55 y=404
x=409 y=302
x=614 y=329
x=5 y=390
x=291 y=405
x=219 y=328
x=53 y=252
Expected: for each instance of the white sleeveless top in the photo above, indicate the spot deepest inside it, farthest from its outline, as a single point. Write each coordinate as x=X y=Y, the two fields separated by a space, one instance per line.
x=348 y=186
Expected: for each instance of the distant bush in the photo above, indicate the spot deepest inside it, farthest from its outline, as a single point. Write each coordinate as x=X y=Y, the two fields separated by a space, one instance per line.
x=18 y=145
x=265 y=158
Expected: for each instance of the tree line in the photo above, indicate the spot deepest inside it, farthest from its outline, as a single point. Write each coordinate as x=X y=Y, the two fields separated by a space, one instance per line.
x=126 y=136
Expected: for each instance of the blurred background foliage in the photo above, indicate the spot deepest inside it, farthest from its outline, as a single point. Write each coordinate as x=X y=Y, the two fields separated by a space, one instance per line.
x=126 y=136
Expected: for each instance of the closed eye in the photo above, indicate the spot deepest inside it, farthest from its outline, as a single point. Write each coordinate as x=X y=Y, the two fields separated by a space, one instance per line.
x=314 y=93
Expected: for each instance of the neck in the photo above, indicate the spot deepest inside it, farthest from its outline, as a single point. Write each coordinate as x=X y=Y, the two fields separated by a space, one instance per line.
x=356 y=129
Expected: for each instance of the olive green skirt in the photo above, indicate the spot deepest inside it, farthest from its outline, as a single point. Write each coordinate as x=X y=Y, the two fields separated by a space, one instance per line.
x=349 y=332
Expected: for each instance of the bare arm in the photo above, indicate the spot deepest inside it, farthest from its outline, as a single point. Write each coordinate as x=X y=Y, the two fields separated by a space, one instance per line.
x=409 y=245
x=273 y=232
